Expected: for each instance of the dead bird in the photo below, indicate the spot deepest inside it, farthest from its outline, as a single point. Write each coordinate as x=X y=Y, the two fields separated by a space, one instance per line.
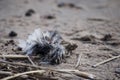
x=47 y=44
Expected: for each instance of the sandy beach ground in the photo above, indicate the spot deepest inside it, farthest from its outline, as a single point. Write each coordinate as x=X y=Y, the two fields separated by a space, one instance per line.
x=98 y=20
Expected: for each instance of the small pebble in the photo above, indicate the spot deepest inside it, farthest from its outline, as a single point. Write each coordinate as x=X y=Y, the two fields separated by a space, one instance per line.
x=12 y=34
x=71 y=5
x=107 y=37
x=6 y=44
x=61 y=5
x=19 y=49
x=11 y=42
x=49 y=17
x=29 y=12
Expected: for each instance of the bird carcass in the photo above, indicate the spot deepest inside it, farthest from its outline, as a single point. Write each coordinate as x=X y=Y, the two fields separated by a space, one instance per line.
x=48 y=44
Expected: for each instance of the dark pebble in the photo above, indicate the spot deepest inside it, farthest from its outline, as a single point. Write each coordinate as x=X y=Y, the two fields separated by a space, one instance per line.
x=6 y=44
x=61 y=5
x=71 y=5
x=49 y=17
x=107 y=37
x=29 y=12
x=85 y=39
x=19 y=49
x=13 y=50
x=11 y=42
x=12 y=34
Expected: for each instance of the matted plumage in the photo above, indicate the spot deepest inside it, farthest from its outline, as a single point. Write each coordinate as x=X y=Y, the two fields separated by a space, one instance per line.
x=47 y=44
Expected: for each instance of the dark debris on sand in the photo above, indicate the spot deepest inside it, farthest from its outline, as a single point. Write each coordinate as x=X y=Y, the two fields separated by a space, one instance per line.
x=12 y=34
x=29 y=12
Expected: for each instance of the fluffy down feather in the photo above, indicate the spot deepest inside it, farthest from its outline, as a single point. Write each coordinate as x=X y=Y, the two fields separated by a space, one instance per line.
x=47 y=44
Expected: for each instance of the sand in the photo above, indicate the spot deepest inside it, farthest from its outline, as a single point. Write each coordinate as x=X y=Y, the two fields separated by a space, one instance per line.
x=73 y=19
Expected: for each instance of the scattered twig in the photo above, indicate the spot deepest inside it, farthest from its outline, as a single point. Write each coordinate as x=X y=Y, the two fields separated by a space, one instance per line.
x=21 y=64
x=78 y=61
x=17 y=56
x=105 y=61
x=6 y=73
x=31 y=61
x=114 y=50
x=97 y=19
x=68 y=76
x=24 y=73
x=75 y=72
